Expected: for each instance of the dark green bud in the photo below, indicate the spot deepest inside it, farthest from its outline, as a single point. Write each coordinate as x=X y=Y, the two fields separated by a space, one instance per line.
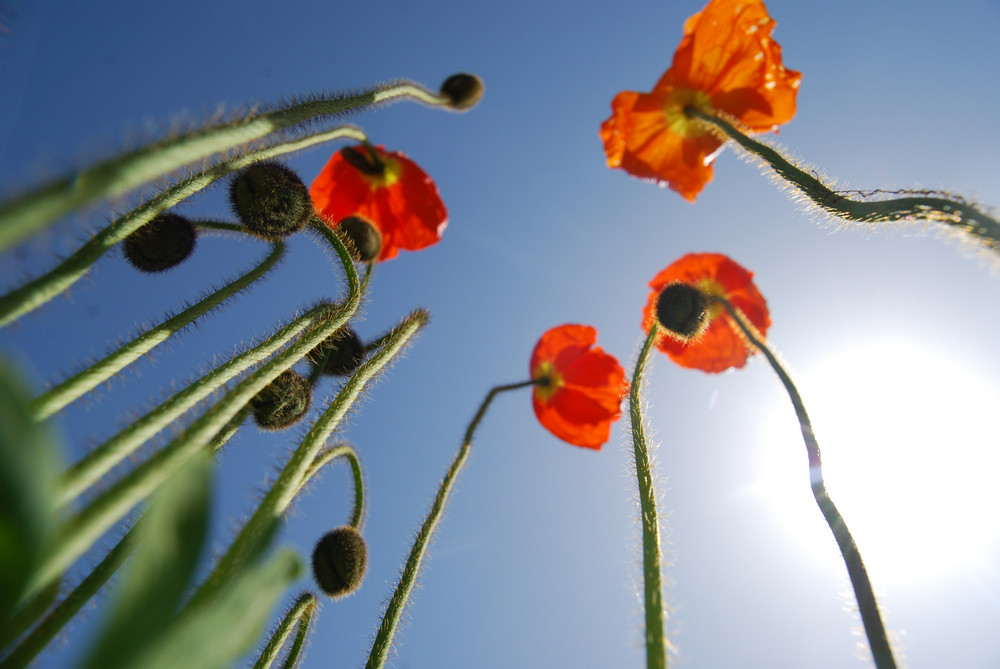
x=339 y=561
x=283 y=402
x=363 y=159
x=365 y=241
x=270 y=200
x=682 y=310
x=343 y=351
x=163 y=243
x=463 y=90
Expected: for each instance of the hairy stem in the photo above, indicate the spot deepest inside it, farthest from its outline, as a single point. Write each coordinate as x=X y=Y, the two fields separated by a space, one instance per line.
x=394 y=610
x=42 y=289
x=951 y=211
x=870 y=616
x=111 y=178
x=652 y=559
x=298 y=617
x=76 y=386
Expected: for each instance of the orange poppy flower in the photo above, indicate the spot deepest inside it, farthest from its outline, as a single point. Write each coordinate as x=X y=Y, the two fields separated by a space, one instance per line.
x=726 y=63
x=386 y=188
x=720 y=346
x=581 y=387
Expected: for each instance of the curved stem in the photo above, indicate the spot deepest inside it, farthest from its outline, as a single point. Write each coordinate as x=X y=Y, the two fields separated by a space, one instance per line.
x=90 y=523
x=113 y=177
x=301 y=464
x=56 y=620
x=324 y=457
x=390 y=620
x=656 y=643
x=863 y=593
x=299 y=617
x=76 y=386
x=951 y=211
x=42 y=289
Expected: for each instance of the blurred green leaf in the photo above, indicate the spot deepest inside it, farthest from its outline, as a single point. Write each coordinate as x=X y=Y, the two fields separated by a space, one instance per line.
x=169 y=541
x=28 y=471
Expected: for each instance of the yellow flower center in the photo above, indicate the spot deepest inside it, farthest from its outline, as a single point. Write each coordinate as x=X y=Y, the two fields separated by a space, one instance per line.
x=678 y=121
x=392 y=170
x=715 y=289
x=549 y=381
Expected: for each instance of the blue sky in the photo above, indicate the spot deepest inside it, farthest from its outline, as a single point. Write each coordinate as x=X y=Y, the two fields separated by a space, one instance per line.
x=537 y=561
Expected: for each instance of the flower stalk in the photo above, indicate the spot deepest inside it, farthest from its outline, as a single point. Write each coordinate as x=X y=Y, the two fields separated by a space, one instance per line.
x=652 y=557
x=299 y=618
x=871 y=618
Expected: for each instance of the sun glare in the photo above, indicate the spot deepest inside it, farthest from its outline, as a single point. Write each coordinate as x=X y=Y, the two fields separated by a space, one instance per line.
x=910 y=458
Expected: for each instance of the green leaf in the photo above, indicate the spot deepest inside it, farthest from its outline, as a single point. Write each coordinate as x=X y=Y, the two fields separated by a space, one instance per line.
x=169 y=541
x=28 y=474
x=217 y=632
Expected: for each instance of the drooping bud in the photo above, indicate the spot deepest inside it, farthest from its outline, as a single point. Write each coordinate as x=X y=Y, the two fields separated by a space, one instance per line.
x=283 y=402
x=163 y=243
x=365 y=239
x=270 y=200
x=343 y=351
x=683 y=311
x=339 y=561
x=463 y=90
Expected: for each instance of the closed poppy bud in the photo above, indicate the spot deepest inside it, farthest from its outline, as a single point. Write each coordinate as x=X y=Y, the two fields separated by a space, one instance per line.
x=343 y=351
x=163 y=243
x=365 y=239
x=683 y=311
x=270 y=200
x=339 y=561
x=283 y=402
x=463 y=90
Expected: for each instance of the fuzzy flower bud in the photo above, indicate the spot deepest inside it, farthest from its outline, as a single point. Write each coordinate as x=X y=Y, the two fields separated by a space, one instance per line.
x=163 y=243
x=343 y=351
x=365 y=239
x=463 y=90
x=270 y=200
x=283 y=402
x=683 y=311
x=339 y=561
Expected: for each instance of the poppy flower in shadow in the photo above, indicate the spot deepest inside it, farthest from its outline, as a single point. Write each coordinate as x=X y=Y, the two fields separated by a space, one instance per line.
x=386 y=188
x=727 y=65
x=579 y=387
x=716 y=344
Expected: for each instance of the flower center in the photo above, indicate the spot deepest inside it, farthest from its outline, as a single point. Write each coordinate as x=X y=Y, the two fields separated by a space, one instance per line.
x=715 y=289
x=548 y=381
x=391 y=171
x=678 y=121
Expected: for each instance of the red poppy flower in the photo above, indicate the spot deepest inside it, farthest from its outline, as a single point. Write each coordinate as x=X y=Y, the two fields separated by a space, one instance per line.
x=583 y=386
x=726 y=62
x=720 y=346
x=388 y=189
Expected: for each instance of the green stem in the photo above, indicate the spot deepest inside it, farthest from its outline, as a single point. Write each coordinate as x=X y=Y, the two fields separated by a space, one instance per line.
x=951 y=211
x=298 y=617
x=394 y=610
x=303 y=462
x=76 y=386
x=652 y=559
x=90 y=523
x=58 y=617
x=111 y=178
x=325 y=456
x=39 y=291
x=865 y=596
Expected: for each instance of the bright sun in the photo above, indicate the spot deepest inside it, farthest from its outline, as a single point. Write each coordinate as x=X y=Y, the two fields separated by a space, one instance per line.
x=910 y=455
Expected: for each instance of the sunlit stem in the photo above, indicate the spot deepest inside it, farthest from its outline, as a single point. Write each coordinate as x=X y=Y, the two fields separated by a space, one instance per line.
x=106 y=509
x=78 y=385
x=103 y=458
x=299 y=618
x=953 y=212
x=56 y=620
x=867 y=605
x=652 y=557
x=44 y=288
x=325 y=456
x=303 y=462
x=114 y=177
x=394 y=610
